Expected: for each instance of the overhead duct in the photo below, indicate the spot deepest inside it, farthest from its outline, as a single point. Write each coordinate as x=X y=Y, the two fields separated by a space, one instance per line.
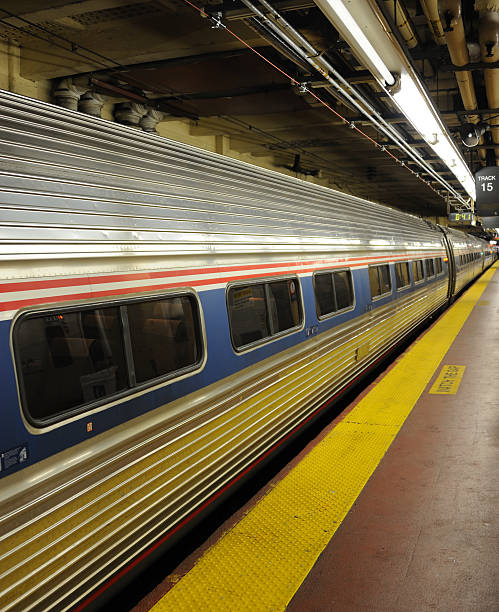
x=451 y=15
x=450 y=12
x=399 y=17
x=67 y=94
x=489 y=46
x=150 y=120
x=430 y=9
x=129 y=113
x=91 y=103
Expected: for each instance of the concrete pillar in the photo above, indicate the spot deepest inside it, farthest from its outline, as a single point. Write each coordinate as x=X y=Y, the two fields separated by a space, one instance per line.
x=10 y=74
x=222 y=144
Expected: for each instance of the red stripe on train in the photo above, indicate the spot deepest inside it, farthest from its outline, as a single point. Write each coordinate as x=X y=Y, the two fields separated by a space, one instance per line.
x=116 y=278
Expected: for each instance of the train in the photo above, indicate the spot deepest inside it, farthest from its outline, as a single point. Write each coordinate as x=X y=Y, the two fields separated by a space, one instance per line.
x=169 y=317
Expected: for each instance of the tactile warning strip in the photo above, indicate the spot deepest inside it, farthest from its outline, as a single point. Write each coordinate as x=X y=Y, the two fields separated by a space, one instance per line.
x=261 y=562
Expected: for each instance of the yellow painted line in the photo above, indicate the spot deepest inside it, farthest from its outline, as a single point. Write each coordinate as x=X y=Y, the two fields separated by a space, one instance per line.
x=261 y=562
x=448 y=380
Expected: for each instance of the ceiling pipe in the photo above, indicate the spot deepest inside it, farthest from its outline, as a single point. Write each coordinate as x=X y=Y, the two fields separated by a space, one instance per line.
x=450 y=12
x=91 y=103
x=488 y=33
x=294 y=39
x=451 y=15
x=399 y=17
x=68 y=93
x=430 y=9
x=129 y=113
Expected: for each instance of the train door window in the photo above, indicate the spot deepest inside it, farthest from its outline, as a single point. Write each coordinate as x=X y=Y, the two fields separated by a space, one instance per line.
x=69 y=359
x=402 y=274
x=430 y=268
x=333 y=291
x=379 y=280
x=417 y=270
x=438 y=265
x=164 y=336
x=261 y=310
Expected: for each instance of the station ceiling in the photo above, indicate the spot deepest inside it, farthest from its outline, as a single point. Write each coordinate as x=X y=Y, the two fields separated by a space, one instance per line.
x=220 y=67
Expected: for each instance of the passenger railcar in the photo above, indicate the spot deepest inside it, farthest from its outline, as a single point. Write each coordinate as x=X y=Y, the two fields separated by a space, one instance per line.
x=168 y=316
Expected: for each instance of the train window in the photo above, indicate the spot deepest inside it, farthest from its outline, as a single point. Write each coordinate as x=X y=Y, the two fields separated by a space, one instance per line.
x=379 y=280
x=333 y=291
x=69 y=359
x=402 y=274
x=438 y=265
x=72 y=359
x=430 y=268
x=163 y=336
x=343 y=289
x=262 y=310
x=324 y=294
x=417 y=270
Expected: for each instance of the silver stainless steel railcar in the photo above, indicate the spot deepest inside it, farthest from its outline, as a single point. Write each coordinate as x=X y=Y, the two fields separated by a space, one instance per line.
x=168 y=316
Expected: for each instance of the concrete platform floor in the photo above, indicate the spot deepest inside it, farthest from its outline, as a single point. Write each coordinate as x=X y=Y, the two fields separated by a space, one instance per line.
x=424 y=532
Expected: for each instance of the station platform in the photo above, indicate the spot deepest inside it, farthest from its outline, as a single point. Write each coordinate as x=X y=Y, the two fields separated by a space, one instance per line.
x=395 y=507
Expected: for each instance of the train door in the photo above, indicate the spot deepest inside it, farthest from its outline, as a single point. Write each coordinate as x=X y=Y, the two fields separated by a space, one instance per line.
x=451 y=264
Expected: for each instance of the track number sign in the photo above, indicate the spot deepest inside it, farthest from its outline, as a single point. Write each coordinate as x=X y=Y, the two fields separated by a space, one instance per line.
x=487 y=191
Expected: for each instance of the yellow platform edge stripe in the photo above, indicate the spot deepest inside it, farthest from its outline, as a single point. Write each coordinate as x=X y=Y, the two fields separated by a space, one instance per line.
x=261 y=562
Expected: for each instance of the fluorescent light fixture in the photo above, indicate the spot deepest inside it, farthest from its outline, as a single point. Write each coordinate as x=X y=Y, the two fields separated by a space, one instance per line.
x=360 y=44
x=416 y=108
x=346 y=15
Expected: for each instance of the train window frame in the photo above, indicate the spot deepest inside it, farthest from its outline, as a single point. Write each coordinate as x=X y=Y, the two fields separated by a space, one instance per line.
x=407 y=286
x=414 y=265
x=244 y=348
x=386 y=293
x=333 y=313
x=441 y=263
x=133 y=388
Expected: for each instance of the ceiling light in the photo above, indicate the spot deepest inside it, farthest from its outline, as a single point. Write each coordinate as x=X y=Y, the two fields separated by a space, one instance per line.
x=420 y=113
x=360 y=26
x=348 y=28
x=471 y=133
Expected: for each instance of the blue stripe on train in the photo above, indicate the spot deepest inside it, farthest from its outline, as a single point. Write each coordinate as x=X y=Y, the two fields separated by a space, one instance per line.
x=222 y=361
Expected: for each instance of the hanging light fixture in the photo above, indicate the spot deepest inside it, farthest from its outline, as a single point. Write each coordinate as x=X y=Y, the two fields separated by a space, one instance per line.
x=361 y=26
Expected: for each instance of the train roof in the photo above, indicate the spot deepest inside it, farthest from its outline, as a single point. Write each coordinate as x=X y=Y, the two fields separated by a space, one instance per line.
x=96 y=187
